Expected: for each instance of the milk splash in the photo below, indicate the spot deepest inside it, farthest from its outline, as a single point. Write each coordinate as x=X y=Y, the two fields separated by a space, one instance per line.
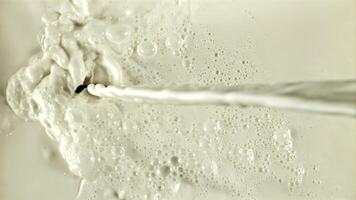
x=125 y=150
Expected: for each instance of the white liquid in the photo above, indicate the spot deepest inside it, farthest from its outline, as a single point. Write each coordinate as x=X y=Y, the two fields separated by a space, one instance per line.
x=333 y=97
x=124 y=150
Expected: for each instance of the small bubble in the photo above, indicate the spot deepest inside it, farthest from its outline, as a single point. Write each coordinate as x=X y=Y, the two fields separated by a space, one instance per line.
x=186 y=63
x=122 y=194
x=147 y=49
x=110 y=193
x=47 y=153
x=165 y=170
x=173 y=42
x=283 y=138
x=174 y=160
x=315 y=167
x=118 y=32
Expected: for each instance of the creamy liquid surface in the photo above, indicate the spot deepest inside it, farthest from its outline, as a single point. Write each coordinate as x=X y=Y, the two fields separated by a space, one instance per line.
x=123 y=150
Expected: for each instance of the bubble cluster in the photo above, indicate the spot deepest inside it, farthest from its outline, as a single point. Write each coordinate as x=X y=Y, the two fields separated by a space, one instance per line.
x=283 y=139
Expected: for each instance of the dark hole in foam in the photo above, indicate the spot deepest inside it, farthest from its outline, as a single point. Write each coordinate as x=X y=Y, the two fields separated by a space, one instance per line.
x=80 y=88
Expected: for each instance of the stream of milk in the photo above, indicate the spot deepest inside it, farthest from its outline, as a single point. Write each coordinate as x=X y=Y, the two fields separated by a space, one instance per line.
x=331 y=97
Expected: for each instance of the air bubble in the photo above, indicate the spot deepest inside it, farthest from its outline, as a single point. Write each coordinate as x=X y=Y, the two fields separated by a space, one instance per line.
x=283 y=139
x=117 y=33
x=186 y=63
x=247 y=154
x=47 y=153
x=245 y=126
x=147 y=49
x=175 y=160
x=174 y=42
x=110 y=194
x=165 y=171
